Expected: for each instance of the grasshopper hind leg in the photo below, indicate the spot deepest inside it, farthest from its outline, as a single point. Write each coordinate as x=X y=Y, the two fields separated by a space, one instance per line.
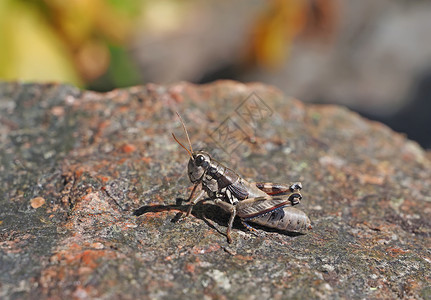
x=277 y=188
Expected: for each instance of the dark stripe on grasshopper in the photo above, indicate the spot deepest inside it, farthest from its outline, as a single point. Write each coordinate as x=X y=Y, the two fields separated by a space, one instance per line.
x=264 y=213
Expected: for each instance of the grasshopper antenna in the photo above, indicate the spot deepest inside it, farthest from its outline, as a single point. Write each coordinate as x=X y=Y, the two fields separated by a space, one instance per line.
x=188 y=139
x=182 y=145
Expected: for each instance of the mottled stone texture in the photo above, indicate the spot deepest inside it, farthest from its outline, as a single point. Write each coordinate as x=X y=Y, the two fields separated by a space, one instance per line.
x=92 y=190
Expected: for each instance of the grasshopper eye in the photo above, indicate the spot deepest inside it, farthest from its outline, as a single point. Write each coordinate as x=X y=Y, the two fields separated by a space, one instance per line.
x=199 y=160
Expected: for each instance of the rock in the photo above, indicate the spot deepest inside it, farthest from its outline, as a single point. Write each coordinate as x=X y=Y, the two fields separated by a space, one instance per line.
x=114 y=184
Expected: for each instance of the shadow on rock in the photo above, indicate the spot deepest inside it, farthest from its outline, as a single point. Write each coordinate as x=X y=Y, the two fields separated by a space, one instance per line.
x=160 y=208
x=210 y=214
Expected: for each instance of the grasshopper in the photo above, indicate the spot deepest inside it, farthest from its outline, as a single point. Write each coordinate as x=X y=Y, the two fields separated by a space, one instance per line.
x=266 y=204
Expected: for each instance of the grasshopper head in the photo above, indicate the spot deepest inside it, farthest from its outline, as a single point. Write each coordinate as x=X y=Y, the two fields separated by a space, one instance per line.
x=199 y=162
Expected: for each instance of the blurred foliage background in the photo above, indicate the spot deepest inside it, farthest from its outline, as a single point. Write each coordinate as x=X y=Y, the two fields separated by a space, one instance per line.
x=81 y=42
x=372 y=56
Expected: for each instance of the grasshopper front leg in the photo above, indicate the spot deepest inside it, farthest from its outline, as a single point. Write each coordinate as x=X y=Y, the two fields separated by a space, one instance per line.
x=219 y=202
x=192 y=201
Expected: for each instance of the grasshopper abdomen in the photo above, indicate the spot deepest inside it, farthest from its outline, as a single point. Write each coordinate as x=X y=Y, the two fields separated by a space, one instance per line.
x=283 y=218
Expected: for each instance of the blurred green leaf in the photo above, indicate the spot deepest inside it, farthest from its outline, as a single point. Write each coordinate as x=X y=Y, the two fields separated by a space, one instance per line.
x=123 y=71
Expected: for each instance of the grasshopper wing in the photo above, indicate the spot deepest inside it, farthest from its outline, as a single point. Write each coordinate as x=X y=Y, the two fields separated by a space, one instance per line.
x=254 y=207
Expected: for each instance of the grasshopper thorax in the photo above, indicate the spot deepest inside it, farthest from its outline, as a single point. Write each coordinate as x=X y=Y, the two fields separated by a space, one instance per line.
x=199 y=163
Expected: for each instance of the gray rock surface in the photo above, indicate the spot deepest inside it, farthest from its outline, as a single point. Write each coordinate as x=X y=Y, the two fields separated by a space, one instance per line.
x=92 y=190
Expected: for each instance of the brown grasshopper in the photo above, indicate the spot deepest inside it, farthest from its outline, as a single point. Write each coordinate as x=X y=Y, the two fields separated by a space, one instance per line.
x=266 y=204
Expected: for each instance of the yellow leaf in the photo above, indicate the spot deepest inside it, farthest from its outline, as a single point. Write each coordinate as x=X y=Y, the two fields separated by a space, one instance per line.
x=30 y=51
